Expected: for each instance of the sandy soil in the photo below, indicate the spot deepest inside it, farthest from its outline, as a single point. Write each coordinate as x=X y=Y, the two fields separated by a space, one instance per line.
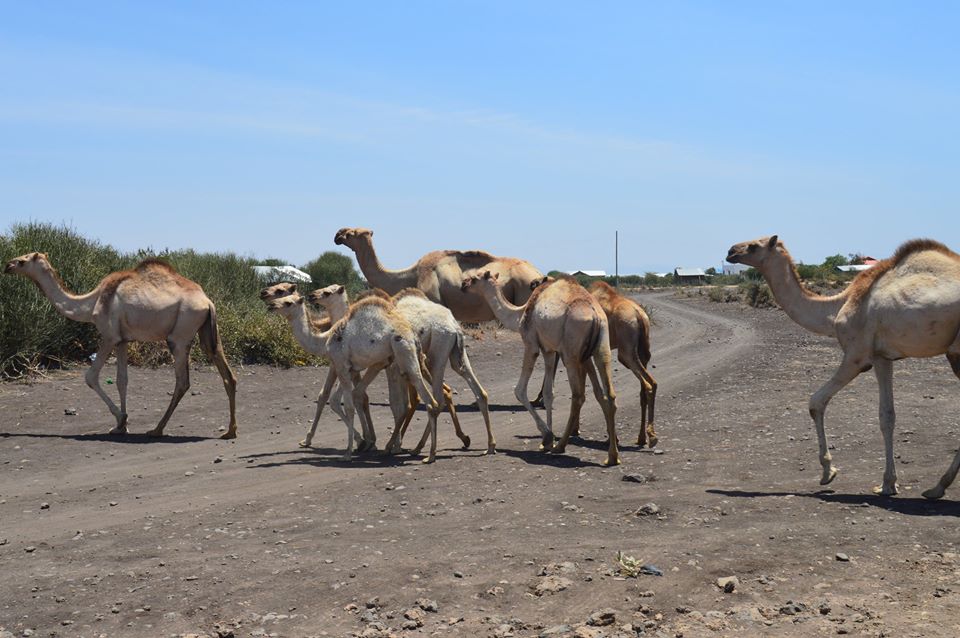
x=128 y=536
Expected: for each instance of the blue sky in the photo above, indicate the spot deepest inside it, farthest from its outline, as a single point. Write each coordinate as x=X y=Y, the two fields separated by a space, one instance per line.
x=532 y=129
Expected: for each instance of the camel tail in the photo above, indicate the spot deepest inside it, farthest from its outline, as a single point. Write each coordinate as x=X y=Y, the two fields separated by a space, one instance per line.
x=643 y=343
x=210 y=336
x=593 y=340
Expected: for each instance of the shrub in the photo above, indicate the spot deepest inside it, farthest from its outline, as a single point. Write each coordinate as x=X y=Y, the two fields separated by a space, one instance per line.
x=757 y=294
x=33 y=334
x=334 y=268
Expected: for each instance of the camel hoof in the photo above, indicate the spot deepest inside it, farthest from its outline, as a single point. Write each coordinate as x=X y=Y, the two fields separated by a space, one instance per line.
x=466 y=442
x=828 y=476
x=612 y=462
x=118 y=430
x=558 y=449
x=883 y=490
x=934 y=493
x=156 y=432
x=428 y=460
x=652 y=441
x=304 y=443
x=229 y=434
x=491 y=450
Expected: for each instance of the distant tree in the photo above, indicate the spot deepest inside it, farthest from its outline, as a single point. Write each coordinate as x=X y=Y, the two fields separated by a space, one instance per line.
x=855 y=259
x=711 y=270
x=334 y=268
x=271 y=261
x=831 y=263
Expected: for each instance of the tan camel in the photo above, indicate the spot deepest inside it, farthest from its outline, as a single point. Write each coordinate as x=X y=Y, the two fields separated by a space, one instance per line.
x=439 y=274
x=149 y=303
x=370 y=337
x=905 y=306
x=630 y=337
x=442 y=340
x=560 y=317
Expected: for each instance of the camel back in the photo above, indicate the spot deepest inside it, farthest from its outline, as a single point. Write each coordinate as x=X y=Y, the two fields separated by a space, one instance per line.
x=863 y=282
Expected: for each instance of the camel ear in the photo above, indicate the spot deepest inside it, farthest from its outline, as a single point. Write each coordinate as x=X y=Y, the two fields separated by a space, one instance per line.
x=299 y=301
x=495 y=276
x=486 y=274
x=293 y=287
x=773 y=242
x=340 y=290
x=35 y=256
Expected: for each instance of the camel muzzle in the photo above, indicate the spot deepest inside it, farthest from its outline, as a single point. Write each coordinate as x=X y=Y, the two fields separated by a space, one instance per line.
x=8 y=268
x=733 y=257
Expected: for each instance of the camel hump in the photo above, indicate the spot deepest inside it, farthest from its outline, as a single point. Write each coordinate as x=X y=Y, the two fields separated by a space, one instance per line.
x=863 y=282
x=154 y=263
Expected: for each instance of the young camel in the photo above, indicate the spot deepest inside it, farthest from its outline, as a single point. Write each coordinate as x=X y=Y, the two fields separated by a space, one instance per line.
x=149 y=303
x=630 y=337
x=442 y=340
x=439 y=273
x=370 y=337
x=560 y=317
x=905 y=306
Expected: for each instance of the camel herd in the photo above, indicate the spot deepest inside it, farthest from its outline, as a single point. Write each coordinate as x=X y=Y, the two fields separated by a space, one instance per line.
x=409 y=327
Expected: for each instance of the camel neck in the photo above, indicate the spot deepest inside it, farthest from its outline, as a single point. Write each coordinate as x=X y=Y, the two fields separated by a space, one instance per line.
x=391 y=281
x=337 y=308
x=311 y=340
x=507 y=313
x=71 y=306
x=814 y=312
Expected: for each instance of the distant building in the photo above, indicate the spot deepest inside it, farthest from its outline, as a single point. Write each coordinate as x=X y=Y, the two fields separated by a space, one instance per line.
x=588 y=273
x=690 y=275
x=856 y=267
x=276 y=274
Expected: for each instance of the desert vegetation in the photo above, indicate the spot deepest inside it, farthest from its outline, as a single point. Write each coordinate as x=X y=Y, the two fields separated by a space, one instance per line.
x=34 y=337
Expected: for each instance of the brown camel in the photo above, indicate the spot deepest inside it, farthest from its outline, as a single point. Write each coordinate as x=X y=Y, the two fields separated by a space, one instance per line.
x=439 y=274
x=560 y=317
x=630 y=337
x=905 y=306
x=149 y=303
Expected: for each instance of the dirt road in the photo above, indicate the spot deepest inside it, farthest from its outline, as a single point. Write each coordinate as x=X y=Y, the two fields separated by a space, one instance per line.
x=128 y=536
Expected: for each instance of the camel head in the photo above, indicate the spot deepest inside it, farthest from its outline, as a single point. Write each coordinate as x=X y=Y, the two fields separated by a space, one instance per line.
x=754 y=253
x=486 y=278
x=27 y=265
x=277 y=291
x=351 y=237
x=323 y=296
x=546 y=279
x=286 y=306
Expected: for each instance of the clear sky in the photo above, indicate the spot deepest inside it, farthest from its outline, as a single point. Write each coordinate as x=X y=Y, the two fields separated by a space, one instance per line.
x=531 y=129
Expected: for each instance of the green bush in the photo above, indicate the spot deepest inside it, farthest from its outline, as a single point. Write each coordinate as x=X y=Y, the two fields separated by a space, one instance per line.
x=757 y=294
x=334 y=268
x=34 y=335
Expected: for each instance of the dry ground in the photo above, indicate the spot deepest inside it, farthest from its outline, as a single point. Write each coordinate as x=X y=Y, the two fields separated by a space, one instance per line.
x=128 y=536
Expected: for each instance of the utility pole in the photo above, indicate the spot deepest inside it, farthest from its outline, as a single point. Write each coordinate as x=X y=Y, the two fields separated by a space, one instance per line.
x=616 y=258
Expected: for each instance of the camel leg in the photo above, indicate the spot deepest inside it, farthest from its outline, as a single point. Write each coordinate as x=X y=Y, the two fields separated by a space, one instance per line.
x=347 y=381
x=538 y=402
x=93 y=381
x=607 y=398
x=359 y=398
x=883 y=368
x=409 y=363
x=403 y=404
x=213 y=349
x=461 y=365
x=321 y=402
x=549 y=375
x=948 y=477
x=181 y=366
x=648 y=397
x=530 y=355
x=577 y=377
x=848 y=371
x=122 y=381
x=452 y=409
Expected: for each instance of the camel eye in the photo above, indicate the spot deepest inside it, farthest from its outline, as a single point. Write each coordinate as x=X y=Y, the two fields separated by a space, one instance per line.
x=752 y=248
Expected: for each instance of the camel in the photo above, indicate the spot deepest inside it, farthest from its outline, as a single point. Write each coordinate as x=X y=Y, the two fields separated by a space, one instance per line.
x=149 y=303
x=286 y=288
x=630 y=337
x=439 y=274
x=905 y=306
x=442 y=340
x=560 y=317
x=370 y=337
